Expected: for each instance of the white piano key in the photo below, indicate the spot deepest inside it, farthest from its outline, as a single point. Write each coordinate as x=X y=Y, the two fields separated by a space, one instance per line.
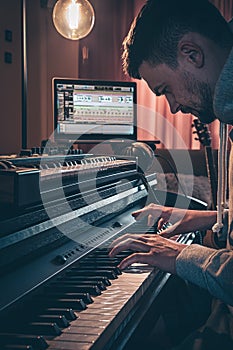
x=92 y=321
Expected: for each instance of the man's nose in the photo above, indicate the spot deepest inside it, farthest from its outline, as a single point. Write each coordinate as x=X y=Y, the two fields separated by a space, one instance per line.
x=174 y=106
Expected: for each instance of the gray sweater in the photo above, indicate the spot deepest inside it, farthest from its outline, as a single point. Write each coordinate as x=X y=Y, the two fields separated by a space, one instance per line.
x=209 y=268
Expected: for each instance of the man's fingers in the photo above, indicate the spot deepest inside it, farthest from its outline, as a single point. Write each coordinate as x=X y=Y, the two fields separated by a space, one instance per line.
x=171 y=231
x=132 y=244
x=151 y=220
x=153 y=210
x=139 y=214
x=124 y=237
x=160 y=223
x=143 y=258
x=132 y=236
x=166 y=234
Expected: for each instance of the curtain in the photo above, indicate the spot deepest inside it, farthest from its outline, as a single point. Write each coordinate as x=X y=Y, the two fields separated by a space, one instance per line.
x=173 y=131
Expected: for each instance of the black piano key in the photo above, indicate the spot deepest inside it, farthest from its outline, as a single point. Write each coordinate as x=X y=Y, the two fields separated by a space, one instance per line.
x=89 y=265
x=37 y=342
x=98 y=256
x=75 y=304
x=100 y=259
x=17 y=347
x=64 y=288
x=101 y=256
x=101 y=279
x=119 y=256
x=124 y=254
x=68 y=313
x=67 y=295
x=142 y=227
x=77 y=280
x=45 y=328
x=100 y=251
x=61 y=321
x=81 y=288
x=86 y=272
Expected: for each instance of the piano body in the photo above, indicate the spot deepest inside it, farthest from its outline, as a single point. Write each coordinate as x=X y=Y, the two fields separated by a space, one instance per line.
x=59 y=288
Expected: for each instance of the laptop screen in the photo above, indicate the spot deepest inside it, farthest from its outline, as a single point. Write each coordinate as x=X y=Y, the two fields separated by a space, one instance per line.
x=94 y=109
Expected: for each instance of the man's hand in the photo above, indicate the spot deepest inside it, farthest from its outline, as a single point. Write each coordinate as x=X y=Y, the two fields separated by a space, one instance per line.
x=149 y=249
x=156 y=249
x=182 y=220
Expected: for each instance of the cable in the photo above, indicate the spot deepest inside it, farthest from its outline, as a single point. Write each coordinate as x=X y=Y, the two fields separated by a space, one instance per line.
x=148 y=187
x=174 y=172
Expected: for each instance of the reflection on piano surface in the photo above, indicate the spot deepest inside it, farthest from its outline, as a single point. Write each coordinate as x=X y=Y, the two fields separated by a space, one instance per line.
x=59 y=288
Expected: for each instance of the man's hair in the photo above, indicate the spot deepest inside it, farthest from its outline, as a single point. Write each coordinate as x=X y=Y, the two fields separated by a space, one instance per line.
x=156 y=31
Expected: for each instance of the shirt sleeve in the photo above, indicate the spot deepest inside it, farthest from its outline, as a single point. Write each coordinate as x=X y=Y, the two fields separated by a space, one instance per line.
x=208 y=268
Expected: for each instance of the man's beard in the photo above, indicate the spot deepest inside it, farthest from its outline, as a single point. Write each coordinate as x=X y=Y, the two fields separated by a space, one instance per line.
x=204 y=108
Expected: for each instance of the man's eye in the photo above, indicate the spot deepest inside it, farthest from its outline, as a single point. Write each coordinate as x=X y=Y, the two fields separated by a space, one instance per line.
x=162 y=92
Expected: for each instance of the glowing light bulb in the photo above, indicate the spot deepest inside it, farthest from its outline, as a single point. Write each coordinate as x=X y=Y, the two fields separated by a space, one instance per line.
x=73 y=15
x=73 y=19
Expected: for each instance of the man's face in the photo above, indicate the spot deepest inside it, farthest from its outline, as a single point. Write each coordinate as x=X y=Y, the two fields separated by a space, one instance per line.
x=183 y=91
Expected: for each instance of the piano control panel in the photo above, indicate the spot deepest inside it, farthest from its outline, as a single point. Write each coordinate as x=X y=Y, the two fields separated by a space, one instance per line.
x=25 y=180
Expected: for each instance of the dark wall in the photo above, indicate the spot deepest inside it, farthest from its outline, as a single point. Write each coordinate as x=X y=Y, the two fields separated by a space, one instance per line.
x=48 y=55
x=103 y=46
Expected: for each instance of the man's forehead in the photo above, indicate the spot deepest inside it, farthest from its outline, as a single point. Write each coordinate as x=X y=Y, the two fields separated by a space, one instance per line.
x=156 y=75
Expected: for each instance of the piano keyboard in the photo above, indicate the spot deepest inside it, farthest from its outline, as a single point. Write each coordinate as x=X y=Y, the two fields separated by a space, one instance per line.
x=92 y=327
x=76 y=314
x=84 y=307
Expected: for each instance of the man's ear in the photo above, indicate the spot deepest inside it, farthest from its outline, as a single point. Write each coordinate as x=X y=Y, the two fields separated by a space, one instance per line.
x=191 y=52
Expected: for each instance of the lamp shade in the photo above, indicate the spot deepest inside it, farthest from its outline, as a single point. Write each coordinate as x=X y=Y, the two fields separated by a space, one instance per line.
x=73 y=19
